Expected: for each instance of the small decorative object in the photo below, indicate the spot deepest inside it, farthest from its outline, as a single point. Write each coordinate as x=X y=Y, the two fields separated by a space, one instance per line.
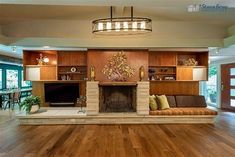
x=158 y=78
x=163 y=70
x=42 y=60
x=151 y=70
x=73 y=69
x=191 y=62
x=152 y=78
x=81 y=101
x=92 y=73
x=46 y=60
x=141 y=70
x=68 y=77
x=63 y=77
x=169 y=78
x=30 y=104
x=117 y=68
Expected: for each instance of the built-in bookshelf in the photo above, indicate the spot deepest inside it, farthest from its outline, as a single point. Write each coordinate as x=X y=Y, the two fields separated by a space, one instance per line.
x=59 y=65
x=178 y=66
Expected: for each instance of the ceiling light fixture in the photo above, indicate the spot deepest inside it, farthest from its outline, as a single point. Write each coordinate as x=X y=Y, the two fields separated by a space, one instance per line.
x=122 y=25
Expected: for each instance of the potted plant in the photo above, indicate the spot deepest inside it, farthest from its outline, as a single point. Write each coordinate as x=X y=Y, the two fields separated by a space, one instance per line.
x=213 y=95
x=31 y=104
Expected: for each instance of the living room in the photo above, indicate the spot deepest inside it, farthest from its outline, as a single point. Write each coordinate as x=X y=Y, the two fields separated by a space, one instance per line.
x=119 y=72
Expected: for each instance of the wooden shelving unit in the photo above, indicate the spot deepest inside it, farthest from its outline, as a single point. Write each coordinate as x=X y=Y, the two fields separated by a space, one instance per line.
x=175 y=68
x=35 y=72
x=68 y=60
x=58 y=68
x=162 y=73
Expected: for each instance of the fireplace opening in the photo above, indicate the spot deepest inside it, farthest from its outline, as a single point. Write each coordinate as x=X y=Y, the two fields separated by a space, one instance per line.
x=117 y=99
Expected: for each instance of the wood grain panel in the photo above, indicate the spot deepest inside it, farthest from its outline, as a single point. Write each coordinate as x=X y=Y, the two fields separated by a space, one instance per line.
x=162 y=58
x=77 y=58
x=174 y=87
x=38 y=89
x=48 y=73
x=135 y=58
x=29 y=57
x=184 y=73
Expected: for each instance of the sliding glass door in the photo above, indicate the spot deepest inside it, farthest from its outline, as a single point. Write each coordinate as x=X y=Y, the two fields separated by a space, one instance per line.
x=209 y=88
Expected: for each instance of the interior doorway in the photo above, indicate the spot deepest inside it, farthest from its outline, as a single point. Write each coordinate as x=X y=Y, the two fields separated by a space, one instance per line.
x=210 y=88
x=228 y=86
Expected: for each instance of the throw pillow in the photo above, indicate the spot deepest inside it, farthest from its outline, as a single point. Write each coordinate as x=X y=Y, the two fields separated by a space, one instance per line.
x=152 y=102
x=162 y=102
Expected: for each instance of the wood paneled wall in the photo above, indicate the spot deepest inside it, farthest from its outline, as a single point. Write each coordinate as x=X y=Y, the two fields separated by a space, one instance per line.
x=135 y=58
x=162 y=58
x=174 y=87
x=29 y=57
x=72 y=58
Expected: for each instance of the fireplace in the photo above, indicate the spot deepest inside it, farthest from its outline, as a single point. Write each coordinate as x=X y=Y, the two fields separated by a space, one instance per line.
x=117 y=98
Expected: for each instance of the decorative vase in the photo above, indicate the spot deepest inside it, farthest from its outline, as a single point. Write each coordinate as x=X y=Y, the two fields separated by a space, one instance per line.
x=92 y=74
x=34 y=109
x=141 y=71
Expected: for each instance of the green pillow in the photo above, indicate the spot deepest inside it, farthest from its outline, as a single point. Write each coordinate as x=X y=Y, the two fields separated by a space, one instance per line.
x=162 y=102
x=152 y=102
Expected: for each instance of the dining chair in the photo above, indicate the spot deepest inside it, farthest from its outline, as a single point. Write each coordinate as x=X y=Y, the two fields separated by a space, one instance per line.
x=7 y=100
x=16 y=98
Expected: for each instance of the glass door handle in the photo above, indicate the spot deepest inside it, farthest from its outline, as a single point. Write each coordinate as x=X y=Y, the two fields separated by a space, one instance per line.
x=222 y=86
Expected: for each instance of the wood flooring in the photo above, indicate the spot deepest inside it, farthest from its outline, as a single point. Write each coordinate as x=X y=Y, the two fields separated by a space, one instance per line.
x=165 y=140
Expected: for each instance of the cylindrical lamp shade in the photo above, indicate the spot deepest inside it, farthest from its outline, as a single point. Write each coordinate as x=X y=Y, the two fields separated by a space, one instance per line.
x=122 y=26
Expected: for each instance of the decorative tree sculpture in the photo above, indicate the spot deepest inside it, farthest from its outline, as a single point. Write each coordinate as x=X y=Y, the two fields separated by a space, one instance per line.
x=117 y=68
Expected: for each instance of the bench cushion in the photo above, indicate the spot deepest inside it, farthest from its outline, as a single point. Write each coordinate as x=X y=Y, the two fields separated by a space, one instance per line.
x=184 y=111
x=190 y=101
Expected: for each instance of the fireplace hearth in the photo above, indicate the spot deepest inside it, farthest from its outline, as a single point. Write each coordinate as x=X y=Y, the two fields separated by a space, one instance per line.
x=117 y=98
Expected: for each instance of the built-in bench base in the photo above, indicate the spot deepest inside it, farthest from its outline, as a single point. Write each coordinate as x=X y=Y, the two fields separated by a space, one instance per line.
x=71 y=116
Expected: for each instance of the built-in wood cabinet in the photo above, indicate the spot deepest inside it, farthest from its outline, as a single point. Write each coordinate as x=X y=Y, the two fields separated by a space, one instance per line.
x=72 y=65
x=176 y=66
x=184 y=73
x=60 y=65
x=162 y=58
x=40 y=73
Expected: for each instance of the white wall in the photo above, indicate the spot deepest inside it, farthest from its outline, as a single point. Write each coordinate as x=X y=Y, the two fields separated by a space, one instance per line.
x=78 y=33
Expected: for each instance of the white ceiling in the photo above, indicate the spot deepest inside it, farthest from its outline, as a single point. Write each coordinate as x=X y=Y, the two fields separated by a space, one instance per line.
x=153 y=3
x=174 y=10
x=14 y=11
x=11 y=51
x=217 y=54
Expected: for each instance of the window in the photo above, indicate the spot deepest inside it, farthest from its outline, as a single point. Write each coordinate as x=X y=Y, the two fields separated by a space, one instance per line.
x=210 y=87
x=12 y=79
x=0 y=78
x=24 y=83
x=232 y=71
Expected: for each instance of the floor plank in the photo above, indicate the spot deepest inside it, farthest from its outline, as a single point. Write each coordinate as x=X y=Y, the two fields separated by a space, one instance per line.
x=163 y=140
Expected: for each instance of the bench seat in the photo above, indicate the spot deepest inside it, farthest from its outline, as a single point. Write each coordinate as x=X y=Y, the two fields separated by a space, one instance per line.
x=184 y=111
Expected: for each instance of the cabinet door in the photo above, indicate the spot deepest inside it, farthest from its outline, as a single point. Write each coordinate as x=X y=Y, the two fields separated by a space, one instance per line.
x=48 y=73
x=184 y=73
x=32 y=73
x=200 y=74
x=162 y=59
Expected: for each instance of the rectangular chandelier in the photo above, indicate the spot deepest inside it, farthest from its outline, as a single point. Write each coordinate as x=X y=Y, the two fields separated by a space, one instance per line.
x=122 y=25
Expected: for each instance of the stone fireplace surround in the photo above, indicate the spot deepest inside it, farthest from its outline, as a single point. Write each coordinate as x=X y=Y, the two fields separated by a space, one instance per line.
x=93 y=96
x=118 y=98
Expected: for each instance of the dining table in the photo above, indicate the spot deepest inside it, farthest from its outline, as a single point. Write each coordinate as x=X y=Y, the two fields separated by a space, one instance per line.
x=8 y=92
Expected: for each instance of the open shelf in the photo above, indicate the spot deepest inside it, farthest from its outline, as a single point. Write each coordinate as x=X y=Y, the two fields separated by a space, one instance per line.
x=162 y=73
x=67 y=61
